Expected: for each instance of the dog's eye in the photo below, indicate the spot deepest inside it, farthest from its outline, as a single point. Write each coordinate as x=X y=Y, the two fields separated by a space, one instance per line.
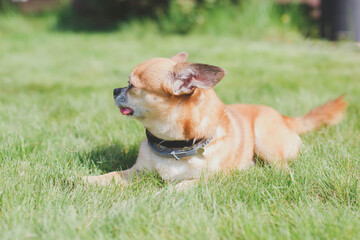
x=130 y=86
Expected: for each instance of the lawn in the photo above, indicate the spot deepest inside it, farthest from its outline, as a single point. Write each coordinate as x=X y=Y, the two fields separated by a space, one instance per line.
x=58 y=120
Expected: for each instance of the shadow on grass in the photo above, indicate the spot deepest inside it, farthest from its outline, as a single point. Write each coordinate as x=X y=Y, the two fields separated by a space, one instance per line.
x=110 y=158
x=259 y=162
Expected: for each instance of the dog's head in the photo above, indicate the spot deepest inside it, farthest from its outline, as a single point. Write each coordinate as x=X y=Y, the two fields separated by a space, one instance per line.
x=164 y=91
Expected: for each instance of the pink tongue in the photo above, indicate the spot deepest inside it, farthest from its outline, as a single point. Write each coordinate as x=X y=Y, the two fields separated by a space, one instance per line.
x=125 y=111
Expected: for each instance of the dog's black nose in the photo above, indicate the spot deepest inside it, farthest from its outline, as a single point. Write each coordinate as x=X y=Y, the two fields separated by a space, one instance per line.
x=117 y=91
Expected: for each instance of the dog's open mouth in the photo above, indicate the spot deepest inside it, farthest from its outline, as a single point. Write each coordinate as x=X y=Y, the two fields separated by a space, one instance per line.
x=126 y=111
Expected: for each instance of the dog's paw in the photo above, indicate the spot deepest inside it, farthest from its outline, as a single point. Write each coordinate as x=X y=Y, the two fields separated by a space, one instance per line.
x=103 y=180
x=93 y=180
x=185 y=185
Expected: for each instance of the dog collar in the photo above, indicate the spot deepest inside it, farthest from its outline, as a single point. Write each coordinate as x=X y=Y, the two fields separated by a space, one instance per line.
x=176 y=149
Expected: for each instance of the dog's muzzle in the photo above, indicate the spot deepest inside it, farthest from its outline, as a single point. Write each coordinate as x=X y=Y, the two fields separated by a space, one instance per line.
x=120 y=97
x=121 y=101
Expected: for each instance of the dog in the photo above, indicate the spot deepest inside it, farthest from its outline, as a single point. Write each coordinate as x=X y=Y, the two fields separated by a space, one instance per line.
x=190 y=131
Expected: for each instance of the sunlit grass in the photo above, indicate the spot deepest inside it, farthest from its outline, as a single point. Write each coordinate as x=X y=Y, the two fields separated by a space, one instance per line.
x=58 y=120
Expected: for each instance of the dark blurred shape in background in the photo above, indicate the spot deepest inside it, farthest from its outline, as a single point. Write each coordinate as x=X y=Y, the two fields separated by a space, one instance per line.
x=105 y=14
x=330 y=19
x=340 y=19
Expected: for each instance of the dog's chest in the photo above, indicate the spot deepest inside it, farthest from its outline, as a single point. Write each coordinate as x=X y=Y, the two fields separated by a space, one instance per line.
x=171 y=169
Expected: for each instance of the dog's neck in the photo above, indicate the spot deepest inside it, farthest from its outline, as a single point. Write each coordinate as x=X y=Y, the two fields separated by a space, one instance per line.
x=194 y=118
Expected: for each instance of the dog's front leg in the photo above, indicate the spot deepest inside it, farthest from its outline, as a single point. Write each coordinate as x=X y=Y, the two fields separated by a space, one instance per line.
x=119 y=177
x=143 y=163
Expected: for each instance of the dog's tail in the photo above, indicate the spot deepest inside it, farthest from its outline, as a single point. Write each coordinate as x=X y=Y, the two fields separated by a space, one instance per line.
x=329 y=114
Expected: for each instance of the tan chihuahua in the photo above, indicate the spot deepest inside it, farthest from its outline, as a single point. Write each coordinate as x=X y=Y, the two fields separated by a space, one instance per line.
x=190 y=131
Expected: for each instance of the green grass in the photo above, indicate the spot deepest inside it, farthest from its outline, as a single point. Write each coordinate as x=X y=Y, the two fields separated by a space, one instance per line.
x=58 y=120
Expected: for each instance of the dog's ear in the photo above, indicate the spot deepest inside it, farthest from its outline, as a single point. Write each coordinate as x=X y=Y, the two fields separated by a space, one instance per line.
x=181 y=57
x=188 y=76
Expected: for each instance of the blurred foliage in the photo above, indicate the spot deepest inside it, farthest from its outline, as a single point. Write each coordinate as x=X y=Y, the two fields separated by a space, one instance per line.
x=247 y=18
x=107 y=14
x=240 y=17
x=298 y=17
x=5 y=6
